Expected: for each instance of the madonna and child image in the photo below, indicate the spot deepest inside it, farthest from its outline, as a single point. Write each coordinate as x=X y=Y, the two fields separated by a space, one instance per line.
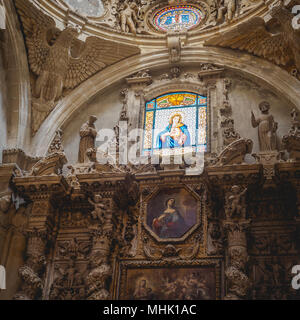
x=175 y=135
x=170 y=214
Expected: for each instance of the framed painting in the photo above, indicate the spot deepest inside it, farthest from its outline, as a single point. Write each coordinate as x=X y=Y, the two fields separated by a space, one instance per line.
x=172 y=213
x=188 y=280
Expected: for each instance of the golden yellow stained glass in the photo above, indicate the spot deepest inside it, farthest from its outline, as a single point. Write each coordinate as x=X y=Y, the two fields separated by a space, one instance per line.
x=176 y=99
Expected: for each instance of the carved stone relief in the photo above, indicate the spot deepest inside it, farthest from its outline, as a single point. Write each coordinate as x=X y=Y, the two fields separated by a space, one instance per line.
x=254 y=37
x=291 y=141
x=52 y=76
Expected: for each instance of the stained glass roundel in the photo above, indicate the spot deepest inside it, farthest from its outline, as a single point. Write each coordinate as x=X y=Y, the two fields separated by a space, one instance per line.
x=176 y=18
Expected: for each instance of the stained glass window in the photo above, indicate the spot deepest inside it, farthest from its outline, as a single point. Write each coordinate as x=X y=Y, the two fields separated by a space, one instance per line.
x=178 y=18
x=175 y=123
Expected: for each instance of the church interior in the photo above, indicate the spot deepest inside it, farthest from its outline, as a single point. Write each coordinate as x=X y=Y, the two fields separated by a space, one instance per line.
x=150 y=150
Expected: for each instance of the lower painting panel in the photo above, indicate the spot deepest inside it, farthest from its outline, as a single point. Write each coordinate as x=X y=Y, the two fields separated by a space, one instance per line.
x=170 y=283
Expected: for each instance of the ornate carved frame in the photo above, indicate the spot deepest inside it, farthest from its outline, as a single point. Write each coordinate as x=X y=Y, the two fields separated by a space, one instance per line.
x=190 y=231
x=154 y=9
x=120 y=292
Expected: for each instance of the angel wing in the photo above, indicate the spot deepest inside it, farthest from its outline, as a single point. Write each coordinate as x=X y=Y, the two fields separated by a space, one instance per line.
x=96 y=55
x=254 y=38
x=37 y=27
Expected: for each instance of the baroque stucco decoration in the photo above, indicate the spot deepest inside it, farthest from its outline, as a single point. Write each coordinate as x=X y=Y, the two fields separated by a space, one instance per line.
x=248 y=222
x=281 y=47
x=102 y=226
x=98 y=210
x=136 y=16
x=89 y=27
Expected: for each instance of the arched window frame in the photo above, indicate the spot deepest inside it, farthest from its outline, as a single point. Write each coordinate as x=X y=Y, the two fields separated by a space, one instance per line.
x=198 y=106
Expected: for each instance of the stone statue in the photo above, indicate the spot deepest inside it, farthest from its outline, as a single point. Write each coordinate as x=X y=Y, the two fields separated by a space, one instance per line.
x=88 y=135
x=128 y=17
x=237 y=280
x=98 y=213
x=291 y=141
x=235 y=207
x=267 y=127
x=227 y=7
x=231 y=7
x=295 y=130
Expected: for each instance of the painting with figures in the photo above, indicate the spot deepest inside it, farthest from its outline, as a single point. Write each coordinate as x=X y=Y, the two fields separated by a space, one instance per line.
x=171 y=213
x=191 y=283
x=175 y=123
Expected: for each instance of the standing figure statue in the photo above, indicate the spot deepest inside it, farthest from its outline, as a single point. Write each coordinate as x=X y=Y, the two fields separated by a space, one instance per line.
x=231 y=7
x=88 y=135
x=226 y=9
x=128 y=17
x=267 y=127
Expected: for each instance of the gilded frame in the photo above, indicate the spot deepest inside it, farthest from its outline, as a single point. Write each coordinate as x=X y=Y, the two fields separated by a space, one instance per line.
x=124 y=266
x=159 y=189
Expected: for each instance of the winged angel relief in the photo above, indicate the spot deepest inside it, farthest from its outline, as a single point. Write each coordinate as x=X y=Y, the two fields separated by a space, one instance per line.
x=61 y=61
x=254 y=36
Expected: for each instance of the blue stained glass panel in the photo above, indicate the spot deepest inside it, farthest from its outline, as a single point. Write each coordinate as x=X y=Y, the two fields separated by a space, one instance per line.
x=175 y=123
x=178 y=18
x=185 y=18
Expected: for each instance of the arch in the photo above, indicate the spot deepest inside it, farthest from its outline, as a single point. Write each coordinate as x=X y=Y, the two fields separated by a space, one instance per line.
x=18 y=83
x=261 y=70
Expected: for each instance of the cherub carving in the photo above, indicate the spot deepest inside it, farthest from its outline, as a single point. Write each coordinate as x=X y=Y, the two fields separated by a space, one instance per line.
x=99 y=208
x=230 y=9
x=128 y=17
x=235 y=206
x=226 y=10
